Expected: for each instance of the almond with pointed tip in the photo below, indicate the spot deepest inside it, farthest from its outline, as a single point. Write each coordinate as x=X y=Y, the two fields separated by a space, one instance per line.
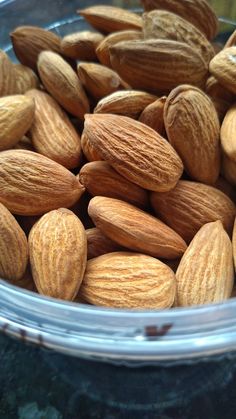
x=206 y=273
x=228 y=132
x=99 y=244
x=7 y=75
x=89 y=151
x=62 y=83
x=134 y=150
x=26 y=79
x=128 y=280
x=223 y=67
x=58 y=254
x=153 y=115
x=81 y=45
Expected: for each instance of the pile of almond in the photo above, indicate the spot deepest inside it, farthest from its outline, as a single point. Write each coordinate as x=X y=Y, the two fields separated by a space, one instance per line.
x=129 y=130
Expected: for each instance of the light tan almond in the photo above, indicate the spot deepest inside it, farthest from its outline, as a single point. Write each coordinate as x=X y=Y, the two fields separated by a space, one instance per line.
x=26 y=79
x=62 y=83
x=198 y=12
x=190 y=205
x=134 y=150
x=89 y=151
x=220 y=96
x=81 y=45
x=205 y=273
x=229 y=170
x=227 y=188
x=234 y=244
x=7 y=75
x=231 y=41
x=135 y=229
x=98 y=80
x=52 y=133
x=162 y=24
x=13 y=247
x=128 y=280
x=32 y=184
x=228 y=134
x=29 y=41
x=100 y=179
x=99 y=244
x=58 y=254
x=102 y=50
x=223 y=67
x=108 y=19
x=193 y=129
x=127 y=102
x=24 y=144
x=153 y=115
x=149 y=65
x=16 y=117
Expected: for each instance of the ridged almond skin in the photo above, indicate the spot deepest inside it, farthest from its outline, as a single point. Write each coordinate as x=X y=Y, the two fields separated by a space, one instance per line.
x=7 y=75
x=16 y=117
x=234 y=244
x=32 y=184
x=220 y=96
x=198 y=12
x=228 y=132
x=100 y=179
x=193 y=129
x=13 y=247
x=223 y=68
x=99 y=244
x=58 y=254
x=229 y=170
x=29 y=41
x=26 y=79
x=127 y=102
x=81 y=45
x=110 y=19
x=102 y=50
x=134 y=150
x=148 y=65
x=135 y=229
x=128 y=280
x=206 y=273
x=98 y=80
x=52 y=133
x=162 y=24
x=89 y=151
x=190 y=205
x=62 y=83
x=153 y=115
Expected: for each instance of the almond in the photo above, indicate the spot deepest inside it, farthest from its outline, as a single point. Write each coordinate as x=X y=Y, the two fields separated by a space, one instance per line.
x=198 y=12
x=128 y=103
x=102 y=50
x=16 y=117
x=58 y=254
x=7 y=76
x=223 y=67
x=149 y=64
x=26 y=79
x=153 y=115
x=134 y=150
x=229 y=170
x=234 y=244
x=29 y=41
x=89 y=151
x=193 y=129
x=227 y=134
x=81 y=45
x=128 y=280
x=13 y=247
x=205 y=273
x=98 y=80
x=135 y=229
x=32 y=184
x=231 y=41
x=62 y=83
x=99 y=178
x=220 y=96
x=190 y=205
x=161 y=24
x=99 y=244
x=111 y=19
x=52 y=133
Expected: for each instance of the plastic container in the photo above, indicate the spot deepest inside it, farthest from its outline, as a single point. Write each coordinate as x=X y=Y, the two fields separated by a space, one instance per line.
x=100 y=363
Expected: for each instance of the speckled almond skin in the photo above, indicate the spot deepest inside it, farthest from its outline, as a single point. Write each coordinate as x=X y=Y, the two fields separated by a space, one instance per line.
x=193 y=129
x=100 y=179
x=206 y=273
x=58 y=254
x=134 y=150
x=227 y=134
x=99 y=244
x=135 y=229
x=234 y=244
x=223 y=67
x=128 y=280
x=13 y=247
x=190 y=205
x=7 y=76
x=52 y=133
x=81 y=45
x=32 y=184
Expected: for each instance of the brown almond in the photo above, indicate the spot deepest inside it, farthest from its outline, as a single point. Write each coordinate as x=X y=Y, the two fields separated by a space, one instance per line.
x=26 y=79
x=228 y=132
x=153 y=116
x=134 y=150
x=7 y=75
x=81 y=45
x=221 y=97
x=223 y=67
x=89 y=151
x=205 y=273
x=100 y=179
x=190 y=205
x=99 y=244
x=229 y=170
